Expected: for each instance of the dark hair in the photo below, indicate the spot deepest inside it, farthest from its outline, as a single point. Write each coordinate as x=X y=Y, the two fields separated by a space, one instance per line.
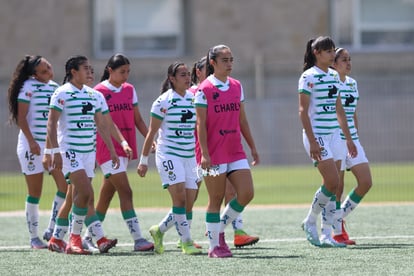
x=212 y=54
x=172 y=71
x=319 y=44
x=73 y=63
x=338 y=52
x=200 y=64
x=114 y=62
x=24 y=69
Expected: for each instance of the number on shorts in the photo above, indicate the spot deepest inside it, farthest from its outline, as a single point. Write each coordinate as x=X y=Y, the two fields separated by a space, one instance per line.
x=29 y=156
x=168 y=165
x=70 y=154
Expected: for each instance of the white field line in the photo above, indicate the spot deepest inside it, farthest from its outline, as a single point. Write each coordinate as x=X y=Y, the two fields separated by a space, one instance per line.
x=266 y=241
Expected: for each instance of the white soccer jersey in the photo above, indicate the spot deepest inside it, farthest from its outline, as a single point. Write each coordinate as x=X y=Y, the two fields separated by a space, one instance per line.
x=176 y=134
x=323 y=89
x=76 y=128
x=349 y=99
x=37 y=94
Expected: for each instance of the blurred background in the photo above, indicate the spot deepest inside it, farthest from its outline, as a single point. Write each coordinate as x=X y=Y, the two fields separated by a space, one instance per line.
x=267 y=38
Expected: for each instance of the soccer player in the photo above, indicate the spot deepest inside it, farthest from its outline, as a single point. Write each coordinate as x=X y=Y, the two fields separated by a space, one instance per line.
x=221 y=121
x=359 y=165
x=173 y=118
x=29 y=94
x=76 y=110
x=241 y=238
x=122 y=101
x=321 y=114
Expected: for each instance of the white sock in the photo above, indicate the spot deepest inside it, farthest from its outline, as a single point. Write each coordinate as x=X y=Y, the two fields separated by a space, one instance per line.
x=228 y=215
x=60 y=231
x=167 y=222
x=182 y=227
x=328 y=217
x=318 y=203
x=213 y=234
x=56 y=204
x=77 y=223
x=32 y=219
x=348 y=206
x=96 y=230
x=134 y=228
x=238 y=222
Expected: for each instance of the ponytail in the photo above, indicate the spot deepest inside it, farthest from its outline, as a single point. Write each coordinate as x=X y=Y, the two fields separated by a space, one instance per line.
x=319 y=44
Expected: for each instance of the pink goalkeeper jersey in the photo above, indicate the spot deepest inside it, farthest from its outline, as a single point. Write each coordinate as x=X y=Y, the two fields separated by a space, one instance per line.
x=121 y=109
x=223 y=120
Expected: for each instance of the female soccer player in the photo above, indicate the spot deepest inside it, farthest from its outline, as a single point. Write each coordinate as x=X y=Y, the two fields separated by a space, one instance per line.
x=76 y=110
x=321 y=113
x=359 y=165
x=122 y=101
x=173 y=118
x=29 y=94
x=221 y=121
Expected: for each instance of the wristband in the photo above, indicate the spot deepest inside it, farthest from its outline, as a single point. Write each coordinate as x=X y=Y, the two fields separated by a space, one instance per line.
x=143 y=160
x=124 y=144
x=47 y=151
x=55 y=150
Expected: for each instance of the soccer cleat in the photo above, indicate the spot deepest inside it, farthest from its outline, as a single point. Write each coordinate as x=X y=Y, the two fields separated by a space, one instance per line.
x=75 y=246
x=105 y=244
x=241 y=239
x=328 y=241
x=36 y=243
x=47 y=235
x=56 y=245
x=196 y=245
x=88 y=244
x=143 y=245
x=218 y=252
x=311 y=233
x=341 y=239
x=223 y=245
x=188 y=248
x=157 y=236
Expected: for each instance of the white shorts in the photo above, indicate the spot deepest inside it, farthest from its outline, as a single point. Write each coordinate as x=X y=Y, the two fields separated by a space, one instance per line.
x=29 y=162
x=108 y=169
x=75 y=161
x=174 y=170
x=233 y=166
x=359 y=159
x=333 y=146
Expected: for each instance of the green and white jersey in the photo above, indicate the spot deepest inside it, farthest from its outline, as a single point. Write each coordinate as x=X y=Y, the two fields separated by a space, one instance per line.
x=323 y=90
x=176 y=133
x=349 y=99
x=37 y=94
x=76 y=127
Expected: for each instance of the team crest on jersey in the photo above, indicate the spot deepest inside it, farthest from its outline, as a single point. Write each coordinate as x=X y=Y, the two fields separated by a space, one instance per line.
x=172 y=176
x=74 y=163
x=31 y=166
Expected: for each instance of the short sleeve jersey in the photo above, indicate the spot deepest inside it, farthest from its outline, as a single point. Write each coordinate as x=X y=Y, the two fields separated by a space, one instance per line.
x=76 y=127
x=176 y=133
x=121 y=102
x=222 y=101
x=323 y=89
x=349 y=99
x=37 y=95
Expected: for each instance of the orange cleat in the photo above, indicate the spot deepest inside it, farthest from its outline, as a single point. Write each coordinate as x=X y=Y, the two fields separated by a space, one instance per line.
x=105 y=244
x=241 y=239
x=75 y=246
x=341 y=239
x=57 y=245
